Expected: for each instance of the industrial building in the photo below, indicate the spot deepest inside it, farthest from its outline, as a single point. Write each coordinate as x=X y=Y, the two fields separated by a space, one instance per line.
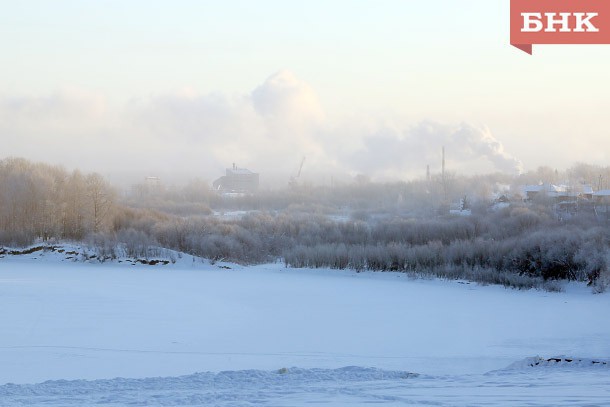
x=237 y=180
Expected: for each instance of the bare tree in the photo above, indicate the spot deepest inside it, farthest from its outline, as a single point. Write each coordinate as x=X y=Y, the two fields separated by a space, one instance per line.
x=100 y=198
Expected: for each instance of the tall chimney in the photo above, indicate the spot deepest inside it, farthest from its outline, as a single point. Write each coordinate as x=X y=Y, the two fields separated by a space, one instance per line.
x=443 y=170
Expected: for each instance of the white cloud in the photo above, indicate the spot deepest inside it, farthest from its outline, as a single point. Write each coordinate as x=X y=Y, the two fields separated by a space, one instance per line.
x=267 y=130
x=285 y=98
x=392 y=152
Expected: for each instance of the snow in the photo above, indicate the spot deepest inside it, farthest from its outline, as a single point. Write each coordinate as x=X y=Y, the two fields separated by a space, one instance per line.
x=193 y=333
x=602 y=193
x=343 y=386
x=231 y=215
x=460 y=212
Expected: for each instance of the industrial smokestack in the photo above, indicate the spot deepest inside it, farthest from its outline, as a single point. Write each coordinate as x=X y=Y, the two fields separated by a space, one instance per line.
x=443 y=165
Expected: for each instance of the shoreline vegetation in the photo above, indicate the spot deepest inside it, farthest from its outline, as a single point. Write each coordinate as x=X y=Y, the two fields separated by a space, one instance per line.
x=393 y=227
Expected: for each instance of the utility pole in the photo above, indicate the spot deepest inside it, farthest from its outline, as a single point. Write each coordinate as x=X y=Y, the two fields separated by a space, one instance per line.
x=443 y=180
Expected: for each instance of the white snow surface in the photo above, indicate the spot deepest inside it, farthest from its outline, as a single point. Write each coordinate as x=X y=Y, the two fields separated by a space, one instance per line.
x=192 y=333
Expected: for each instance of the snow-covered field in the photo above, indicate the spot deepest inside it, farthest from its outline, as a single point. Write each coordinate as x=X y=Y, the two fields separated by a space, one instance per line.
x=198 y=334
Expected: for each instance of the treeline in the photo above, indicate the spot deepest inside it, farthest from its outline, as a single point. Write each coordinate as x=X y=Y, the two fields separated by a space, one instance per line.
x=40 y=201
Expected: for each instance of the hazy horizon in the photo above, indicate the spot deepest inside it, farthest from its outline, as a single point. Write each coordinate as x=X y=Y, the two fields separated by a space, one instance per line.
x=185 y=90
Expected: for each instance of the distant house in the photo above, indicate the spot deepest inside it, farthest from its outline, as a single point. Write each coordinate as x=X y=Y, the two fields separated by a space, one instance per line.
x=558 y=193
x=566 y=199
x=237 y=180
x=587 y=191
x=602 y=196
x=532 y=192
x=602 y=203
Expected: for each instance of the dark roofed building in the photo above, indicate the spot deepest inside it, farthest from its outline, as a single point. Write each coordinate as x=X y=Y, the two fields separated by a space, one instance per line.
x=237 y=180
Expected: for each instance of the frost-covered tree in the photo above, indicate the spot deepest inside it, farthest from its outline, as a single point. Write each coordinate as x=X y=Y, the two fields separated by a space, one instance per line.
x=100 y=199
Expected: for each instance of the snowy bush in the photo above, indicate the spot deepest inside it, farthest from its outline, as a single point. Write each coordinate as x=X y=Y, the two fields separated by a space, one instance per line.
x=103 y=245
x=602 y=281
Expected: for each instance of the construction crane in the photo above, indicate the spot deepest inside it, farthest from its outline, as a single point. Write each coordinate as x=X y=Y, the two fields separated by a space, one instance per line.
x=294 y=178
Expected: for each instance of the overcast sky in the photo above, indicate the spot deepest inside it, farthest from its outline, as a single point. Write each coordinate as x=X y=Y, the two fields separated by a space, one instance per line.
x=186 y=88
